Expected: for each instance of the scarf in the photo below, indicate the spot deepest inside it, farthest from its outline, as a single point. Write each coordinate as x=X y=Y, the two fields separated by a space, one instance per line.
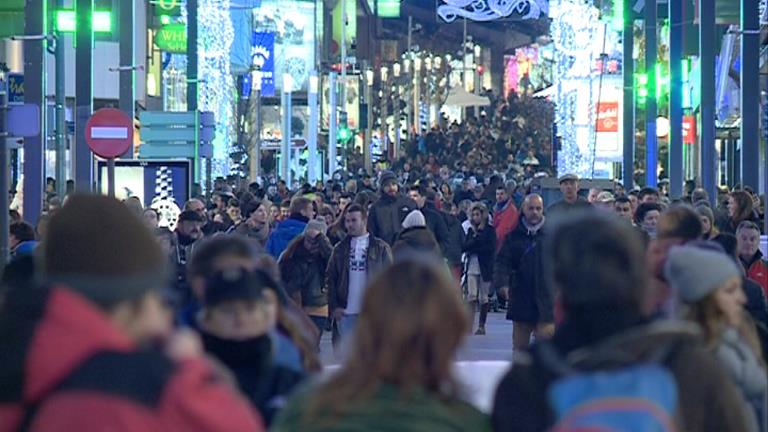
x=533 y=229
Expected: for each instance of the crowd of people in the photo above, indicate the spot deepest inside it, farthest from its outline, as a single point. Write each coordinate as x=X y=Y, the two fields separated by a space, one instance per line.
x=215 y=322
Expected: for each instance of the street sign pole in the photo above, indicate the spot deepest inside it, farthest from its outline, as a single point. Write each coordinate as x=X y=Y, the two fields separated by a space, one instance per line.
x=4 y=183
x=61 y=121
x=83 y=95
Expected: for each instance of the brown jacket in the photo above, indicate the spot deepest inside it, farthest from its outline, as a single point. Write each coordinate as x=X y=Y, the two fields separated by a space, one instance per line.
x=337 y=276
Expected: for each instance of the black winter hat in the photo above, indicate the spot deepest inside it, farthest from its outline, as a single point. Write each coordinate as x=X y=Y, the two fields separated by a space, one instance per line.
x=386 y=177
x=234 y=284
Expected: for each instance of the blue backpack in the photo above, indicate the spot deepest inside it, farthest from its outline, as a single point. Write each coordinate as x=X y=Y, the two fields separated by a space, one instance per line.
x=639 y=397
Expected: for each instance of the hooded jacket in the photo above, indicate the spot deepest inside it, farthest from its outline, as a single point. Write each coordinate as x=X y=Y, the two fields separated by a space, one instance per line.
x=66 y=367
x=505 y=220
x=418 y=239
x=303 y=272
x=386 y=216
x=288 y=230
x=757 y=270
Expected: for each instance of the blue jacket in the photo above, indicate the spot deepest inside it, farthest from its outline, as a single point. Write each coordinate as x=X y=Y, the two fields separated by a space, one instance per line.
x=283 y=234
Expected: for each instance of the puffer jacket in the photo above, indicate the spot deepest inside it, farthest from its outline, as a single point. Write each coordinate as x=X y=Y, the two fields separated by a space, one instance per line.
x=303 y=272
x=386 y=216
x=519 y=266
x=379 y=255
x=282 y=235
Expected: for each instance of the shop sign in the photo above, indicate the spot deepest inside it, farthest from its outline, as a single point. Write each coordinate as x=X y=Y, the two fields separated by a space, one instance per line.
x=172 y=38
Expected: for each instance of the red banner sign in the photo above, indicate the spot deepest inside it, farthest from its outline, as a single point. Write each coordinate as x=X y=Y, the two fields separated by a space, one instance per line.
x=608 y=117
x=689 y=130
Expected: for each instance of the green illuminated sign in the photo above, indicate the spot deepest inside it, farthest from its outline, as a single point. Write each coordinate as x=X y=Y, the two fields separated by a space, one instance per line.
x=167 y=7
x=172 y=38
x=66 y=21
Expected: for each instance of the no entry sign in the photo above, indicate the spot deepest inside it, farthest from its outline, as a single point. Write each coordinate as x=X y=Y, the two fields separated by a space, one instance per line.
x=109 y=133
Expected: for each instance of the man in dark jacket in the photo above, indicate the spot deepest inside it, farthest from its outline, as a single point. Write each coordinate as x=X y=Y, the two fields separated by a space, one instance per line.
x=569 y=187
x=520 y=273
x=353 y=262
x=479 y=248
x=300 y=213
x=600 y=274
x=387 y=214
x=303 y=266
x=435 y=221
x=455 y=238
x=74 y=353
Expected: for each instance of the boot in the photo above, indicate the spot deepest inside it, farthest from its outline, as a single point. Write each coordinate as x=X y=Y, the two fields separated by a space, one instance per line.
x=483 y=318
x=472 y=306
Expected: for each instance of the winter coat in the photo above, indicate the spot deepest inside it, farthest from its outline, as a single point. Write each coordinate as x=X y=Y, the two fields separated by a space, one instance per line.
x=757 y=270
x=284 y=233
x=455 y=239
x=743 y=367
x=436 y=224
x=78 y=372
x=259 y=236
x=388 y=409
x=303 y=272
x=265 y=383
x=386 y=216
x=378 y=256
x=505 y=221
x=519 y=265
x=707 y=400
x=757 y=306
x=483 y=244
x=418 y=239
x=565 y=207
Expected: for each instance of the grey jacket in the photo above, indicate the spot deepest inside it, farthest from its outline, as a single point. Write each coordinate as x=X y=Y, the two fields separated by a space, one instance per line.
x=742 y=365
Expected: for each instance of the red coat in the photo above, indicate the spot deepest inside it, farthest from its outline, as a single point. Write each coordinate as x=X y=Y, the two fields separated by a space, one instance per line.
x=77 y=372
x=505 y=221
x=757 y=270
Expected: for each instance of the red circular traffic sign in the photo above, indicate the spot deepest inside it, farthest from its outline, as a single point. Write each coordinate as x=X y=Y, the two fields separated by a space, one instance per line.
x=109 y=133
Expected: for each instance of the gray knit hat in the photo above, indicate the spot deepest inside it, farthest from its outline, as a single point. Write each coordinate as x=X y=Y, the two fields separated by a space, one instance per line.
x=694 y=273
x=317 y=224
x=414 y=219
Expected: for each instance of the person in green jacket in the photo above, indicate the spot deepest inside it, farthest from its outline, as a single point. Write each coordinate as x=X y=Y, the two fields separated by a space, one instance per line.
x=398 y=374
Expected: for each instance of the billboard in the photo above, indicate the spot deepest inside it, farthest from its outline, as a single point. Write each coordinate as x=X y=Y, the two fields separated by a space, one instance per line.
x=293 y=24
x=164 y=185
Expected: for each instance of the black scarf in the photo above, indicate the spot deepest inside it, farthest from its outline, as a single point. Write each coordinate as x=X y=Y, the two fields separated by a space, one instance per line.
x=254 y=353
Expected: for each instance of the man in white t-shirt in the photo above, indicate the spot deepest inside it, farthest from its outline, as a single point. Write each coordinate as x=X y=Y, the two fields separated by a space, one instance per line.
x=353 y=261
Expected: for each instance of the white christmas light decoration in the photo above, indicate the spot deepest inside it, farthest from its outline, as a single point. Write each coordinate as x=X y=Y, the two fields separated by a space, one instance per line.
x=490 y=10
x=216 y=89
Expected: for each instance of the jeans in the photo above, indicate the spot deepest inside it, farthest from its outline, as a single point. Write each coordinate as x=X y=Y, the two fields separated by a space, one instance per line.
x=347 y=325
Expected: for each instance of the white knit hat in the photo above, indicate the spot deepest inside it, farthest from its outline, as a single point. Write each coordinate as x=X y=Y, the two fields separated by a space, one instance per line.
x=414 y=218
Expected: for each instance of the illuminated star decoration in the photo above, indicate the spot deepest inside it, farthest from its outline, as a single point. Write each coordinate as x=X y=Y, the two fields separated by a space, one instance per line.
x=489 y=10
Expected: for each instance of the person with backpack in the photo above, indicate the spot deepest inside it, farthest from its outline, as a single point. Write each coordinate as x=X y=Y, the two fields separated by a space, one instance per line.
x=608 y=352
x=92 y=348
x=710 y=286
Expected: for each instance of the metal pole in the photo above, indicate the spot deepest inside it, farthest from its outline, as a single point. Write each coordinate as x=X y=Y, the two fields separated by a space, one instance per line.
x=707 y=43
x=4 y=181
x=313 y=122
x=416 y=98
x=464 y=58
x=651 y=144
x=369 y=115
x=34 y=13
x=332 y=126
x=398 y=125
x=628 y=71
x=83 y=95
x=254 y=157
x=192 y=57
x=676 y=99
x=750 y=94
x=343 y=55
x=61 y=121
x=127 y=58
x=285 y=156
x=111 y=177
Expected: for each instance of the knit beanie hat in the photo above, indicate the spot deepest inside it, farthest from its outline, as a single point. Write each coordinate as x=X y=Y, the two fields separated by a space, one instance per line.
x=694 y=273
x=318 y=225
x=386 y=177
x=98 y=248
x=235 y=284
x=414 y=219
x=707 y=212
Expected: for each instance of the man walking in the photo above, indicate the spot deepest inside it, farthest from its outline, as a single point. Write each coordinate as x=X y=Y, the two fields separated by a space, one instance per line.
x=479 y=248
x=387 y=214
x=520 y=273
x=353 y=261
x=569 y=187
x=300 y=212
x=434 y=220
x=505 y=214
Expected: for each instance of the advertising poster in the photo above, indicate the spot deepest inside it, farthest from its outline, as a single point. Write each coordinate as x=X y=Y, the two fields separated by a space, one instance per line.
x=263 y=57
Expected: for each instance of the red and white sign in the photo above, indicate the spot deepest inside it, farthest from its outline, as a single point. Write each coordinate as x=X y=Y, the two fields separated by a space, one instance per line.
x=109 y=133
x=689 y=130
x=608 y=117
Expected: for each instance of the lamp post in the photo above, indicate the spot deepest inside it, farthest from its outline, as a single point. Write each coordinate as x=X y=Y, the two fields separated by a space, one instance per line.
x=313 y=120
x=4 y=182
x=384 y=97
x=255 y=156
x=332 y=125
x=285 y=151
x=369 y=113
x=398 y=91
x=416 y=96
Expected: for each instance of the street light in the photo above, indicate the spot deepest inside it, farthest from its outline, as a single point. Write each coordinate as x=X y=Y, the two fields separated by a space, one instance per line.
x=369 y=77
x=384 y=73
x=396 y=70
